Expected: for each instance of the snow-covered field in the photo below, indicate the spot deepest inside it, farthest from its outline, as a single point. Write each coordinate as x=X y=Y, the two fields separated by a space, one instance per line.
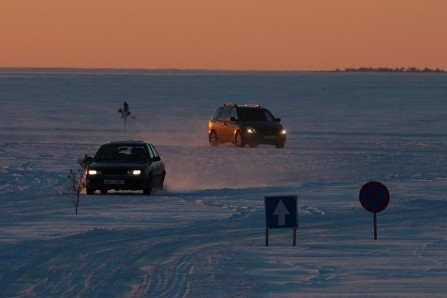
x=204 y=235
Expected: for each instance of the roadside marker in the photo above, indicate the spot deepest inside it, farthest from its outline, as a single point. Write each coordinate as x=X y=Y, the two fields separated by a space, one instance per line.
x=281 y=212
x=374 y=197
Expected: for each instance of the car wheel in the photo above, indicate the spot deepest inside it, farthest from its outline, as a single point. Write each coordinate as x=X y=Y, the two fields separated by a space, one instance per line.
x=239 y=140
x=162 y=180
x=213 y=139
x=103 y=191
x=90 y=191
x=148 y=188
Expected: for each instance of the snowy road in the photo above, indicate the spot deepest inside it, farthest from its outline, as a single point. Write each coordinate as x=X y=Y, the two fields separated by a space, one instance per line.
x=210 y=241
x=204 y=235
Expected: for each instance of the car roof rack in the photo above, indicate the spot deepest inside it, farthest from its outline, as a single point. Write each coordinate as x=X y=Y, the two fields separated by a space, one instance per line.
x=253 y=105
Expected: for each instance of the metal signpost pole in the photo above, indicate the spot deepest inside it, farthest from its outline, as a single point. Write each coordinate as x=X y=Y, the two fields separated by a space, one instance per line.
x=375 y=225
x=266 y=237
x=374 y=197
x=294 y=236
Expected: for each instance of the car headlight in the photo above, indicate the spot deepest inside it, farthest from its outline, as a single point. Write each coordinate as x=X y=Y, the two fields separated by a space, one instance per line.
x=251 y=130
x=92 y=172
x=283 y=131
x=134 y=172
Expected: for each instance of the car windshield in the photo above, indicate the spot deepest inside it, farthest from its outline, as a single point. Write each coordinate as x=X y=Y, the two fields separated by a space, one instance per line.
x=117 y=152
x=255 y=114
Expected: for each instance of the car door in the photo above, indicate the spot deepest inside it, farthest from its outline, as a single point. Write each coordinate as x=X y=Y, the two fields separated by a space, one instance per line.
x=157 y=167
x=232 y=124
x=222 y=128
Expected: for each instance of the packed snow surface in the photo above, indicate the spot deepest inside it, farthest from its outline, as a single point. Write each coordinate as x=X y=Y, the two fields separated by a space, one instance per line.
x=204 y=234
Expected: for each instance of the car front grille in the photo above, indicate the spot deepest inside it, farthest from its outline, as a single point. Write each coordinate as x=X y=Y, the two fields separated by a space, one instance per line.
x=114 y=172
x=268 y=132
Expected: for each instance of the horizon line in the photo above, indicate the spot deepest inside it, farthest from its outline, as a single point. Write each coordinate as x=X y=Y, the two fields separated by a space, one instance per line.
x=346 y=69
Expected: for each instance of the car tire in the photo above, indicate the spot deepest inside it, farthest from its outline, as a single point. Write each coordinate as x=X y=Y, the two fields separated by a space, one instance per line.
x=214 y=141
x=148 y=188
x=90 y=191
x=161 y=186
x=103 y=191
x=239 y=140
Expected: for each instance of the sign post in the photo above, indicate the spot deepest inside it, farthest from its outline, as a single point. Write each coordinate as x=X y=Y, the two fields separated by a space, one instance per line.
x=374 y=197
x=281 y=212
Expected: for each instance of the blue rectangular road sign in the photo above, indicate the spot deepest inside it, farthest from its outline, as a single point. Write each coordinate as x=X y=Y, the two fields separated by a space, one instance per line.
x=281 y=212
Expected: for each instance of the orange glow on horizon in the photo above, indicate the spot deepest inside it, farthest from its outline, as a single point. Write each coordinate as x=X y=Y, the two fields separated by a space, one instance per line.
x=231 y=34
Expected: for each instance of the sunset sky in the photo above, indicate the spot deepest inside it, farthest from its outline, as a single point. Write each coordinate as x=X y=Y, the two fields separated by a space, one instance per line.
x=223 y=34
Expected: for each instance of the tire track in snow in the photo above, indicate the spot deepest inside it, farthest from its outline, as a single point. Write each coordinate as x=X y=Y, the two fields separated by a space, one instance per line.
x=155 y=262
x=197 y=269
x=200 y=257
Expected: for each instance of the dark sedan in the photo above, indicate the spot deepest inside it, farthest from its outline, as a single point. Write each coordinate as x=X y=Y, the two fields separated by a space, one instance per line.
x=131 y=165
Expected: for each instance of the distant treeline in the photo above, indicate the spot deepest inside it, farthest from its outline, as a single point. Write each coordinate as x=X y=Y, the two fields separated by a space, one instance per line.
x=388 y=69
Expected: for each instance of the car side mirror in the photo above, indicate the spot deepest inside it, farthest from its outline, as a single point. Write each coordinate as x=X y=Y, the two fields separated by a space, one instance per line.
x=156 y=158
x=88 y=160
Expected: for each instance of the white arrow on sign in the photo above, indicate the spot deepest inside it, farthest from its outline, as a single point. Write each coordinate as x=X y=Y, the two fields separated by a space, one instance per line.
x=281 y=211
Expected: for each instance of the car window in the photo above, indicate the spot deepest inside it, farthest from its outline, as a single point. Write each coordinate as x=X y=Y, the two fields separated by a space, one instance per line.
x=269 y=116
x=255 y=114
x=217 y=113
x=118 y=152
x=106 y=153
x=138 y=153
x=225 y=113
x=233 y=113
x=152 y=151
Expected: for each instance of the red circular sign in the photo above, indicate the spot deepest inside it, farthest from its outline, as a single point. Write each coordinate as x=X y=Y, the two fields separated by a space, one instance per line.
x=374 y=196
